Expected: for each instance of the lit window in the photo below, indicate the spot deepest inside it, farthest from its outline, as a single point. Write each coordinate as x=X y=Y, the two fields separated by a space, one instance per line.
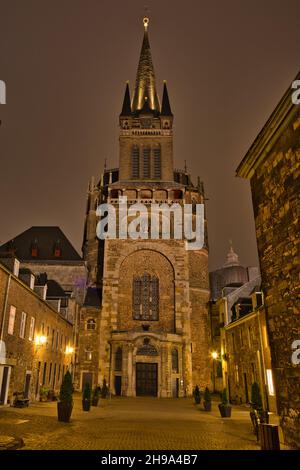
x=23 y=325
x=88 y=355
x=11 y=320
x=31 y=329
x=270 y=382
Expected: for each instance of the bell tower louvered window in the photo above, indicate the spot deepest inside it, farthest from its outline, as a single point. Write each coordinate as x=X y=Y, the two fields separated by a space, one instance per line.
x=146 y=297
x=157 y=162
x=135 y=162
x=146 y=162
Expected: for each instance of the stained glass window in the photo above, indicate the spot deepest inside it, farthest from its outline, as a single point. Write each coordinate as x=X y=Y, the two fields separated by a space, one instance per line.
x=146 y=297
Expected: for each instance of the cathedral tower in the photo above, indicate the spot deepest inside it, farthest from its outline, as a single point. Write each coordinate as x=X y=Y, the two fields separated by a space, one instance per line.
x=144 y=325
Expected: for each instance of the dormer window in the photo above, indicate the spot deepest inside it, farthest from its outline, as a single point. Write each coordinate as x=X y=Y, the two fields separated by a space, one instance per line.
x=57 y=249
x=34 y=249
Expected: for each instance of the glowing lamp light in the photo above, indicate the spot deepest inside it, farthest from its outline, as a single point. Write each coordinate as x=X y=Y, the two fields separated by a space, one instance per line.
x=40 y=340
x=214 y=355
x=69 y=350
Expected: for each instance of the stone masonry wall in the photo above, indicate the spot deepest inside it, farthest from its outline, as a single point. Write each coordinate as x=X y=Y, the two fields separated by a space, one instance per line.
x=275 y=191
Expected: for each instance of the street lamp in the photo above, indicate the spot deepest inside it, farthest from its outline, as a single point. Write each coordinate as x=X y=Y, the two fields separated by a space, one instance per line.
x=40 y=340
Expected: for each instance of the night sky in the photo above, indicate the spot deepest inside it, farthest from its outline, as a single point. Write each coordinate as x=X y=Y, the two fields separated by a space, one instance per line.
x=65 y=63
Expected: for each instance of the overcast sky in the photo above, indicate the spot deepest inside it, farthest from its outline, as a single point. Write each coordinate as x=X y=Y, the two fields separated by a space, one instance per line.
x=65 y=63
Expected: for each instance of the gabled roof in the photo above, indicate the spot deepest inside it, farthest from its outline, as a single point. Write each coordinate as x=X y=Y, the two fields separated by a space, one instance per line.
x=93 y=297
x=44 y=239
x=55 y=291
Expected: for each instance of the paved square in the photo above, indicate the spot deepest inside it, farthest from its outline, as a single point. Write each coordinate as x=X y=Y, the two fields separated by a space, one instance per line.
x=130 y=423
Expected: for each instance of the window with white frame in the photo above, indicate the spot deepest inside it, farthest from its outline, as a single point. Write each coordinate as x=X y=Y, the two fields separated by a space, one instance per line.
x=11 y=320
x=31 y=329
x=23 y=325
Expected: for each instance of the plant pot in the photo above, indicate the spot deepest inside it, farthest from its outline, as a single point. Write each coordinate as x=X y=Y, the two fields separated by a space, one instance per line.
x=225 y=410
x=95 y=401
x=64 y=411
x=86 y=405
x=207 y=405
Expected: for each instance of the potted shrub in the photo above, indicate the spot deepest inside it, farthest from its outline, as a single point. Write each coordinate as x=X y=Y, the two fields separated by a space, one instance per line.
x=104 y=389
x=256 y=404
x=86 y=397
x=44 y=393
x=207 y=400
x=224 y=406
x=197 y=395
x=96 y=396
x=65 y=403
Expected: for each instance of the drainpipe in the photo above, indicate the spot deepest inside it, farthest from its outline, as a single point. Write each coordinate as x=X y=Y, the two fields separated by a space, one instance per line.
x=263 y=368
x=5 y=306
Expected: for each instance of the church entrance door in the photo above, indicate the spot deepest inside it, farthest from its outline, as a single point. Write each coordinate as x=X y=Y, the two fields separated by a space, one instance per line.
x=146 y=379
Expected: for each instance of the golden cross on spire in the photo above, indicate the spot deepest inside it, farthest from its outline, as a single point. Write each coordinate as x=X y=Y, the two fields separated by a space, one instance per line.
x=146 y=18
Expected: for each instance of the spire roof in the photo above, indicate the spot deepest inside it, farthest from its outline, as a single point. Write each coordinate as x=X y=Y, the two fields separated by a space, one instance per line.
x=126 y=108
x=165 y=107
x=232 y=258
x=145 y=87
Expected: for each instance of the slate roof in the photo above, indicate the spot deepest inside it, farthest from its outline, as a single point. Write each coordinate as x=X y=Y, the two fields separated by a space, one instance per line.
x=93 y=297
x=45 y=238
x=55 y=291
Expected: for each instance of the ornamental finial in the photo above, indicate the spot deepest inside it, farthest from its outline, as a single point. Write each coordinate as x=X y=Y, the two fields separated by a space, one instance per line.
x=146 y=22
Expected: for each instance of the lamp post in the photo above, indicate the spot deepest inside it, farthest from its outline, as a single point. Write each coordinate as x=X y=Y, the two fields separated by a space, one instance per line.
x=69 y=352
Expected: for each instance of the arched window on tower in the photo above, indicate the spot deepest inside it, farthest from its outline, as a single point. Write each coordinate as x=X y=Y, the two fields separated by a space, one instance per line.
x=118 y=359
x=146 y=297
x=175 y=362
x=157 y=162
x=135 y=162
x=146 y=162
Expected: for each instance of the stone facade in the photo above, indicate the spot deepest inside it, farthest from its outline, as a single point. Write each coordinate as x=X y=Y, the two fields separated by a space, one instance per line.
x=247 y=359
x=272 y=165
x=172 y=347
x=25 y=364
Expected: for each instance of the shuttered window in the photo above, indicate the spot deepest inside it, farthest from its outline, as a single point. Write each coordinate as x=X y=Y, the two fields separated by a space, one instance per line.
x=135 y=162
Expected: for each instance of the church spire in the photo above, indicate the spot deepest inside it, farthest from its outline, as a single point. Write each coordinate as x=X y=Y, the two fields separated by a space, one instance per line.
x=145 y=89
x=165 y=107
x=126 y=108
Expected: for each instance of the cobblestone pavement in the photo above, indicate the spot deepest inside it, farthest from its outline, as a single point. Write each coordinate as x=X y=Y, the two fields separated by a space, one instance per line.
x=130 y=423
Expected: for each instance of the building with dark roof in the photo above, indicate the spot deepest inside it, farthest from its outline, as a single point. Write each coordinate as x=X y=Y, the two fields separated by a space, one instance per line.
x=272 y=167
x=46 y=249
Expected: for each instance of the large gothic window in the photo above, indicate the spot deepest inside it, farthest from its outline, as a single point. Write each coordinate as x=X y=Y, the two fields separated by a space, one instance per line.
x=118 y=359
x=145 y=297
x=157 y=162
x=135 y=162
